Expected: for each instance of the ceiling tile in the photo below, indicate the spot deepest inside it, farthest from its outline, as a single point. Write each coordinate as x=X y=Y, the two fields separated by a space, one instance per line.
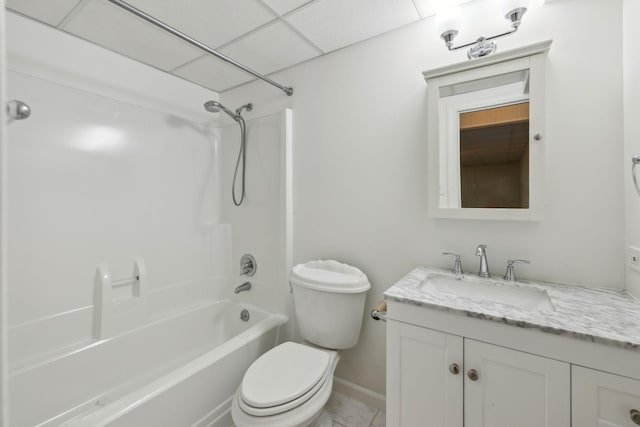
x=285 y=6
x=272 y=48
x=428 y=8
x=111 y=27
x=212 y=22
x=213 y=73
x=332 y=24
x=51 y=12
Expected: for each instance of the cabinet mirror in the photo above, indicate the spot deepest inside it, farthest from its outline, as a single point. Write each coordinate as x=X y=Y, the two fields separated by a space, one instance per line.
x=486 y=137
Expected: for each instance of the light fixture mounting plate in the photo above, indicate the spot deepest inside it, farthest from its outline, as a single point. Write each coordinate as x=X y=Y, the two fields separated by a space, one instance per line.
x=483 y=47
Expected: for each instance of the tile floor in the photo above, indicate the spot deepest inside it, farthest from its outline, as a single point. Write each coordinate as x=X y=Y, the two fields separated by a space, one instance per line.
x=348 y=412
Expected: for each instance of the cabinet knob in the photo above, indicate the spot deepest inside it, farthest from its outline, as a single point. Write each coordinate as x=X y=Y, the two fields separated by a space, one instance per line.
x=473 y=375
x=635 y=416
x=454 y=369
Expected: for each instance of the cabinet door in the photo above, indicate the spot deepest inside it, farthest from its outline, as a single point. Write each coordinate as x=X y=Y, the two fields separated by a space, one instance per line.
x=513 y=388
x=422 y=391
x=600 y=399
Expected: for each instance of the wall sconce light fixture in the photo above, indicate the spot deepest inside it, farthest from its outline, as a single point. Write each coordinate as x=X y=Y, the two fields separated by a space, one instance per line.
x=484 y=46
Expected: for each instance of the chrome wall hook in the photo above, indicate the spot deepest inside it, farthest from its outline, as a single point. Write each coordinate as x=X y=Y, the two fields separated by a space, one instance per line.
x=18 y=110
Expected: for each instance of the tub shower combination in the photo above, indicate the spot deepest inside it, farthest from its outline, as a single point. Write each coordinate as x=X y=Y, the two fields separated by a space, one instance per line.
x=128 y=175
x=140 y=365
x=143 y=353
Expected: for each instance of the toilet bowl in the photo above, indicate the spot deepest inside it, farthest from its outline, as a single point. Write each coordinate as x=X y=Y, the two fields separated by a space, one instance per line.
x=289 y=385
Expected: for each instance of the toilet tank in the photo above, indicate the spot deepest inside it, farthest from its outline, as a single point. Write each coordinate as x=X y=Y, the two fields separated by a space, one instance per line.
x=329 y=297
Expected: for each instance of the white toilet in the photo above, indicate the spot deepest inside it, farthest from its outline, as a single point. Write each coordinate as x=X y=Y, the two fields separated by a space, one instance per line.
x=289 y=385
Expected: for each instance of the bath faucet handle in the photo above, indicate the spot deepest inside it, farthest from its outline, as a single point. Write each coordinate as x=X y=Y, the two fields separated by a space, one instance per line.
x=248 y=265
x=457 y=264
x=510 y=275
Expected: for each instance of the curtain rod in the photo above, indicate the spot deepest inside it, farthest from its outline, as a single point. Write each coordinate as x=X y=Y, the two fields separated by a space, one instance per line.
x=196 y=43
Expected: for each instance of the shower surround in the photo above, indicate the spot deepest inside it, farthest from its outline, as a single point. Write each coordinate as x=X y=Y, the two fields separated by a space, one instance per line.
x=124 y=245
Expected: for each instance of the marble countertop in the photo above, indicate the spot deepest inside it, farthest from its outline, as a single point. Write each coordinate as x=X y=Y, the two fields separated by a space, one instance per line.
x=607 y=316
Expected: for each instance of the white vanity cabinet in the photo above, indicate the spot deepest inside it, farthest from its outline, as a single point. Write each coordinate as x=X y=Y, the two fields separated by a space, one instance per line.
x=600 y=399
x=436 y=379
x=472 y=352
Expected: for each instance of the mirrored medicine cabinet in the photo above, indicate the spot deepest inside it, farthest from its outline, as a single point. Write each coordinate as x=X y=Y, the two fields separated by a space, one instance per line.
x=486 y=136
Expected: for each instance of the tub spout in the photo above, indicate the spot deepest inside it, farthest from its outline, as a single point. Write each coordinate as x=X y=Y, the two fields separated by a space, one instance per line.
x=246 y=286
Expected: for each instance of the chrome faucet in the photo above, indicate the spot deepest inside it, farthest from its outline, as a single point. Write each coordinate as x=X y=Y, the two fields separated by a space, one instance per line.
x=481 y=251
x=246 y=286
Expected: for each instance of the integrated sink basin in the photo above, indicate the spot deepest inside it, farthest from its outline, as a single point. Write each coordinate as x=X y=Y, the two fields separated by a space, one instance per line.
x=487 y=290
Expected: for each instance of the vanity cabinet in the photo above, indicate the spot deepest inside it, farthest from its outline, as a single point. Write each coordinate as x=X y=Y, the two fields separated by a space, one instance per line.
x=436 y=379
x=600 y=399
x=463 y=352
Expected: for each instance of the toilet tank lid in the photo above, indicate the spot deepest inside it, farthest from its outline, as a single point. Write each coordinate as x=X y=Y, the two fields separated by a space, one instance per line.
x=330 y=276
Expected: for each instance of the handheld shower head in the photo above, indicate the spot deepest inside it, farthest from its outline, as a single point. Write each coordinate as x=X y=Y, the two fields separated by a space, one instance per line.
x=216 y=107
x=212 y=106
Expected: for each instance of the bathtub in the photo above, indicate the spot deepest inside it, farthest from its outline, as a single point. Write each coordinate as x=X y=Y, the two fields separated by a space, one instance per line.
x=180 y=370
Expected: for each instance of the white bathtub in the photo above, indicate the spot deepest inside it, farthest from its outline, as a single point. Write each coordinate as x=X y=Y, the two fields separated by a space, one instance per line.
x=181 y=370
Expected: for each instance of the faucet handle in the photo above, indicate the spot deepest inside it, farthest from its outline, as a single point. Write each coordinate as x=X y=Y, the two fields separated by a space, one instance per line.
x=248 y=265
x=457 y=265
x=452 y=254
x=510 y=275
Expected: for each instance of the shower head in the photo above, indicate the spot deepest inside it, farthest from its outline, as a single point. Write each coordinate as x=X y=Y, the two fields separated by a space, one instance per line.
x=216 y=107
x=212 y=106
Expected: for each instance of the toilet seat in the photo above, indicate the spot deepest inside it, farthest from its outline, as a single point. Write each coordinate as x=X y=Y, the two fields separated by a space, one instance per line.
x=303 y=415
x=258 y=402
x=283 y=378
x=273 y=410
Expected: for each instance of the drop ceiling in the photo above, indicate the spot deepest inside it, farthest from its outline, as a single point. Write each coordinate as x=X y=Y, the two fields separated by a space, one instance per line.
x=265 y=35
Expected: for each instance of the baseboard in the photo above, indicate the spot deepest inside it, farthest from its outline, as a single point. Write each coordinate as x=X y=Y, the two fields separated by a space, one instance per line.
x=360 y=393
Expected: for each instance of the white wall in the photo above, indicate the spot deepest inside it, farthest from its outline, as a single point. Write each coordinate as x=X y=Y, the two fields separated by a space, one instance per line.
x=631 y=62
x=360 y=154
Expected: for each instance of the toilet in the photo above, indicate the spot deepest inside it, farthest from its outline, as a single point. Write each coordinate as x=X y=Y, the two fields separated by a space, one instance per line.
x=289 y=385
